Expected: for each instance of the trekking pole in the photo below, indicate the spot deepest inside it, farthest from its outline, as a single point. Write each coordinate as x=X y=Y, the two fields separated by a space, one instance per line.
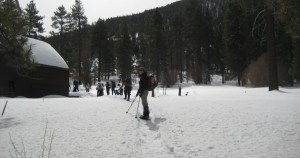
x=4 y=108
x=137 y=110
x=131 y=104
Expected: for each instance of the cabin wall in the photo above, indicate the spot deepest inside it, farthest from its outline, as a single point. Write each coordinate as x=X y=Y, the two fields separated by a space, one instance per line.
x=42 y=81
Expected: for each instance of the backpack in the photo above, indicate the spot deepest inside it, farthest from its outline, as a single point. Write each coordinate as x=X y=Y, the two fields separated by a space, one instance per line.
x=152 y=83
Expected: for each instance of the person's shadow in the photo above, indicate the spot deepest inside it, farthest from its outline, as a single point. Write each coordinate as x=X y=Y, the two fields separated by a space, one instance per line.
x=154 y=126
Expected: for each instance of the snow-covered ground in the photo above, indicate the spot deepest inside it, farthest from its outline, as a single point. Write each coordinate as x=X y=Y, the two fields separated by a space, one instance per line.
x=211 y=121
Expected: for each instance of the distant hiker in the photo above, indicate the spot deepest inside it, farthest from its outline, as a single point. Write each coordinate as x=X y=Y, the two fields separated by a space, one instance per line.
x=128 y=88
x=119 y=90
x=99 y=89
x=102 y=90
x=75 y=84
x=143 y=92
x=107 y=88
x=113 y=86
x=87 y=87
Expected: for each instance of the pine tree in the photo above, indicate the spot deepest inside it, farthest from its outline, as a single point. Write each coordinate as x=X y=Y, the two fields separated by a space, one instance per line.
x=199 y=40
x=235 y=56
x=34 y=21
x=124 y=51
x=157 y=44
x=296 y=60
x=99 y=42
x=87 y=61
x=190 y=42
x=270 y=35
x=146 y=48
x=207 y=44
x=79 y=21
x=143 y=58
x=267 y=14
x=289 y=15
x=109 y=61
x=12 y=39
x=177 y=45
x=60 y=22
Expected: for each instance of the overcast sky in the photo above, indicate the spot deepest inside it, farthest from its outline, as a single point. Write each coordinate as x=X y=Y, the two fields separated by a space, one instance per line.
x=94 y=9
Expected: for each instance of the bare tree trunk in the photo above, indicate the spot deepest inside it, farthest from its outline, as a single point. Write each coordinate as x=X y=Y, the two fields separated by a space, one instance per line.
x=79 y=51
x=99 y=67
x=239 y=78
x=223 y=74
x=273 y=77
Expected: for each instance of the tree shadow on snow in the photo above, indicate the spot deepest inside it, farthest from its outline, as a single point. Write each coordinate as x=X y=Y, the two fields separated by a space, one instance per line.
x=154 y=126
x=8 y=122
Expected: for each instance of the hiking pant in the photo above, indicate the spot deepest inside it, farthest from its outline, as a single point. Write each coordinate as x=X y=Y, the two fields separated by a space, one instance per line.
x=145 y=103
x=127 y=91
x=113 y=91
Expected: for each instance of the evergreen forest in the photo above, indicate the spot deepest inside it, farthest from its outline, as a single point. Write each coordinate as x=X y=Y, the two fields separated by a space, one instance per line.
x=256 y=42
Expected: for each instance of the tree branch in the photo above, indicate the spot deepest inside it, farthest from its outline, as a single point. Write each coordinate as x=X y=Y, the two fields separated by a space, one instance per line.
x=255 y=20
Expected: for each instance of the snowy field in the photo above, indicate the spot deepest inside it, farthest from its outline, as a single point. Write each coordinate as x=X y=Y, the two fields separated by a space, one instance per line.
x=211 y=121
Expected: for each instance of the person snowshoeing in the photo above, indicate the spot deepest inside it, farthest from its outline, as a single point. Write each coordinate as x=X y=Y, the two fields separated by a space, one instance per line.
x=143 y=92
x=128 y=88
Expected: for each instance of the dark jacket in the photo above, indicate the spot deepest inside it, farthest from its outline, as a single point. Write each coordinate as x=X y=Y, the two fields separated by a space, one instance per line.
x=143 y=83
x=113 y=85
x=127 y=82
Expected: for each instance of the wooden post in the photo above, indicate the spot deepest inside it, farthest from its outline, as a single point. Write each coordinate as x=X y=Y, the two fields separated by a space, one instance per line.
x=179 y=94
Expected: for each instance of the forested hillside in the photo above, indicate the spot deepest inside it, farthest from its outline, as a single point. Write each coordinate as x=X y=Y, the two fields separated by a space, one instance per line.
x=190 y=40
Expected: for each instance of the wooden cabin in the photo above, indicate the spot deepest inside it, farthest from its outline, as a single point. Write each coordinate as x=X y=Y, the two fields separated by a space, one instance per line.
x=50 y=77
